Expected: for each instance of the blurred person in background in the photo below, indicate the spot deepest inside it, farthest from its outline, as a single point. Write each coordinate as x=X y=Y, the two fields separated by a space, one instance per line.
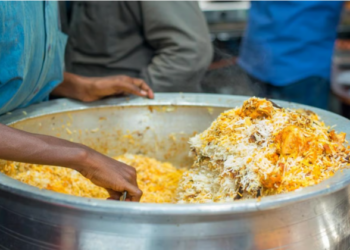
x=167 y=44
x=31 y=67
x=287 y=50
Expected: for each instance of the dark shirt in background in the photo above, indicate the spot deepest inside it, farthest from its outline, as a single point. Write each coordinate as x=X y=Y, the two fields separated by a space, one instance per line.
x=165 y=43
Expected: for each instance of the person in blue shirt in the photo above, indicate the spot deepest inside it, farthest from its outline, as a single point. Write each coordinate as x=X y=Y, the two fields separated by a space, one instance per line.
x=287 y=49
x=31 y=67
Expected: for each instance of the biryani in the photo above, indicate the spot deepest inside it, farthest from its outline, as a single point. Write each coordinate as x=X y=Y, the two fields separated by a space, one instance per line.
x=261 y=149
x=157 y=180
x=255 y=150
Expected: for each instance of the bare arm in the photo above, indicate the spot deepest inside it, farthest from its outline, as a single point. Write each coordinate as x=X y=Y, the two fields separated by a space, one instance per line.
x=103 y=171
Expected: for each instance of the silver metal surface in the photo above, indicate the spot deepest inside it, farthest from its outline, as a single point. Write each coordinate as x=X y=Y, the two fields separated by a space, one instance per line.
x=312 y=218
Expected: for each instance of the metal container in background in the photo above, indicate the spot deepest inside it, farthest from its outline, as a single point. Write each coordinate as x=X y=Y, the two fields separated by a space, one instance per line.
x=312 y=218
x=226 y=19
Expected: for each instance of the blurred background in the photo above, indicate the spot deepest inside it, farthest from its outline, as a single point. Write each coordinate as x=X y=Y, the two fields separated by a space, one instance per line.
x=227 y=22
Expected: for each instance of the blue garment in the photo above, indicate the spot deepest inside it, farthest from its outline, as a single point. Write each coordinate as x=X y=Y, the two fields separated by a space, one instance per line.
x=312 y=91
x=31 y=52
x=290 y=40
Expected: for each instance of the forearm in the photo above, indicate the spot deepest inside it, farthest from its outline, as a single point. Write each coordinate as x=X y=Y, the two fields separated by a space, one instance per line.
x=21 y=146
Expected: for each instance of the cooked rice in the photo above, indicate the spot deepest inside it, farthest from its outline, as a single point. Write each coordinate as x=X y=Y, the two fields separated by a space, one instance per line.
x=255 y=150
x=261 y=149
x=157 y=180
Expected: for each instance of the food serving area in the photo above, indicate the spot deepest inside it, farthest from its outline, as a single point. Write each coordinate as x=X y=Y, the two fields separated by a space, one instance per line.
x=309 y=218
x=174 y=125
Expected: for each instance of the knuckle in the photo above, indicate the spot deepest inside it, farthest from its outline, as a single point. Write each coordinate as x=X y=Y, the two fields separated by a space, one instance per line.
x=117 y=186
x=138 y=192
x=132 y=171
x=98 y=84
x=125 y=78
x=131 y=177
x=128 y=177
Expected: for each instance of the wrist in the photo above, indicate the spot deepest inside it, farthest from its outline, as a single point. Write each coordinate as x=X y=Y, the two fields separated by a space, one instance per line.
x=80 y=159
x=79 y=86
x=73 y=86
x=84 y=88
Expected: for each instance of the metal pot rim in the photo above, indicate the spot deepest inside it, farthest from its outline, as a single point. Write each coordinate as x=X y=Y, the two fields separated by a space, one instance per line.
x=333 y=184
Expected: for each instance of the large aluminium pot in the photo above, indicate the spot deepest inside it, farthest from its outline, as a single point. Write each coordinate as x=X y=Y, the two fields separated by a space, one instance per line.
x=313 y=218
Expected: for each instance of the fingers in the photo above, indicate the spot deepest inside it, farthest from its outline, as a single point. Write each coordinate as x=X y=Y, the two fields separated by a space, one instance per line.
x=136 y=87
x=114 y=195
x=109 y=86
x=116 y=177
x=144 y=88
x=124 y=86
x=133 y=86
x=128 y=184
x=134 y=193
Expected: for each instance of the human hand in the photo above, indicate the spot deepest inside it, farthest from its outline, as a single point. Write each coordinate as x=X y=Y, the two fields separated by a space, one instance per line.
x=88 y=89
x=116 y=177
x=99 y=87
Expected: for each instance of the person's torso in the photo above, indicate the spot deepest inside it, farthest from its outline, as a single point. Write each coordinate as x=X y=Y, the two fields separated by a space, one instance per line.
x=106 y=38
x=286 y=41
x=31 y=52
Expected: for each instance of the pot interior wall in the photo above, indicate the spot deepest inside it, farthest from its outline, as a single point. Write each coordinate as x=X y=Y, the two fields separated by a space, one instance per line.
x=161 y=132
